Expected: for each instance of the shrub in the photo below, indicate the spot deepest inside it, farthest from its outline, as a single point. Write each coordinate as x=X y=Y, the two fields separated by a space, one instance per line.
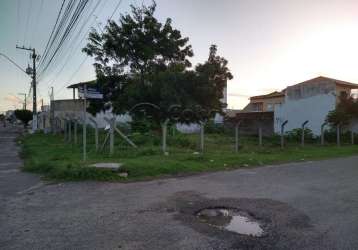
x=181 y=140
x=296 y=135
x=24 y=116
x=214 y=128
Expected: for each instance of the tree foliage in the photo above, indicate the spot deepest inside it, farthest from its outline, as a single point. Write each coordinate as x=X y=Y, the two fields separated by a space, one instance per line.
x=346 y=110
x=141 y=60
x=23 y=115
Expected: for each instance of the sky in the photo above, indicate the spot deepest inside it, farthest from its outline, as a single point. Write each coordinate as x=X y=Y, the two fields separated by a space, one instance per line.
x=270 y=44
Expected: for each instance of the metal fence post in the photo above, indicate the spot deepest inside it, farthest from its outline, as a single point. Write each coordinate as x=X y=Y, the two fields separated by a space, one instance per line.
x=75 y=131
x=283 y=133
x=95 y=132
x=260 y=135
x=54 y=126
x=65 y=129
x=352 y=137
x=322 y=133
x=303 y=133
x=202 y=127
x=338 y=135
x=111 y=136
x=69 y=130
x=59 y=125
x=164 y=136
x=237 y=144
x=84 y=137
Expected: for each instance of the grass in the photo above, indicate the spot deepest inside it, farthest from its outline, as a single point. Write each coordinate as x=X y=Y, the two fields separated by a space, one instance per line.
x=51 y=156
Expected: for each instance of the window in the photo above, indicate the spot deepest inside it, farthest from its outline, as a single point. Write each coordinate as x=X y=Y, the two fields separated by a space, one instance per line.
x=258 y=106
x=269 y=107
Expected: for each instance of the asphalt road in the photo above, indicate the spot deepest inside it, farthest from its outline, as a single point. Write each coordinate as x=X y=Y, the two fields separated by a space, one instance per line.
x=308 y=205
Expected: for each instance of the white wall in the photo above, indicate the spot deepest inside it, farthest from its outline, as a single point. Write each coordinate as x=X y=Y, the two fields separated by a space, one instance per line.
x=99 y=118
x=314 y=109
x=188 y=128
x=354 y=125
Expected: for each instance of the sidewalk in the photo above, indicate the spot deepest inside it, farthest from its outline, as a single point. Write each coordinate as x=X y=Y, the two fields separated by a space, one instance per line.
x=12 y=180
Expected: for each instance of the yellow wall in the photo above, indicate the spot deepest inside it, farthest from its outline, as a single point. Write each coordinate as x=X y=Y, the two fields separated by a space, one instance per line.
x=269 y=101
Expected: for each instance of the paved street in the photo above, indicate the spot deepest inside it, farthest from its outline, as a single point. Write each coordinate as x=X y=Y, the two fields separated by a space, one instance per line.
x=310 y=205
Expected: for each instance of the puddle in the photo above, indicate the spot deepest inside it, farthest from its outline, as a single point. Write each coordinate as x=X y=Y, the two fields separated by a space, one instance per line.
x=230 y=220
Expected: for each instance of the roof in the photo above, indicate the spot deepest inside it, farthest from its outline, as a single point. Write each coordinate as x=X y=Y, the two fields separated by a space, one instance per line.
x=76 y=85
x=338 y=82
x=274 y=94
x=232 y=112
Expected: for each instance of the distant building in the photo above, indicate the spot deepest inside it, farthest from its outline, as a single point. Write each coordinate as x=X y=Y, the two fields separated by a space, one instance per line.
x=311 y=101
x=265 y=103
x=73 y=108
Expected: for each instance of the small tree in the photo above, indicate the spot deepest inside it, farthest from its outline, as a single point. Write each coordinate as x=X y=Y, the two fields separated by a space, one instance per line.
x=24 y=116
x=346 y=110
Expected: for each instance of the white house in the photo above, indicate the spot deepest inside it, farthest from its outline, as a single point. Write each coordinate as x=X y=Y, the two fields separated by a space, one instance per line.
x=310 y=101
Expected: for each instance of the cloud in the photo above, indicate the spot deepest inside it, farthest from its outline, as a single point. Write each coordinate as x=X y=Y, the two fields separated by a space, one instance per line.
x=13 y=99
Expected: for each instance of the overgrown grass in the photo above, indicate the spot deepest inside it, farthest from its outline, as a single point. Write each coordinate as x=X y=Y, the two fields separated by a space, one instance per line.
x=51 y=156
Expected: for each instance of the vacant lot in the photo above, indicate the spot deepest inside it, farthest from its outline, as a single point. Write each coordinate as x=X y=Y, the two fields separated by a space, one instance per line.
x=307 y=205
x=52 y=156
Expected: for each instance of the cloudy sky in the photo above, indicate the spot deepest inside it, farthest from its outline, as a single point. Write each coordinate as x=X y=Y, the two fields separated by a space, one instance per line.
x=269 y=43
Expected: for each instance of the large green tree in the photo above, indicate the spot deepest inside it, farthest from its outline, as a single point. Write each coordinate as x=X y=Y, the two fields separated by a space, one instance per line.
x=141 y=60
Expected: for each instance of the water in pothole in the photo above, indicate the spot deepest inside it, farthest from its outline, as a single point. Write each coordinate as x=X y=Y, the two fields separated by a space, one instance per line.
x=231 y=220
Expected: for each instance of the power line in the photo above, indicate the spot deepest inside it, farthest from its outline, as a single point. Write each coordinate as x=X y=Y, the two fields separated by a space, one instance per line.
x=17 y=19
x=73 y=48
x=85 y=59
x=115 y=9
x=73 y=75
x=13 y=62
x=52 y=32
x=27 y=22
x=37 y=18
x=72 y=23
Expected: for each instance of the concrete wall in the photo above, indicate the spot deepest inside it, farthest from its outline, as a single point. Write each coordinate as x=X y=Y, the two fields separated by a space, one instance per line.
x=313 y=108
x=74 y=109
x=250 y=122
x=354 y=125
x=310 y=88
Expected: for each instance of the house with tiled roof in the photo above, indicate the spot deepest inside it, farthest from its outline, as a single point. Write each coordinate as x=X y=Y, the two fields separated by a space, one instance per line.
x=310 y=101
x=264 y=103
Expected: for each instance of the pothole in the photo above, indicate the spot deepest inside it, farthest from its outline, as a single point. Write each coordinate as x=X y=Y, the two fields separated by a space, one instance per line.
x=232 y=220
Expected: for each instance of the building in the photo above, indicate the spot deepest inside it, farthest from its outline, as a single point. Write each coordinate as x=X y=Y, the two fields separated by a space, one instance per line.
x=310 y=101
x=73 y=108
x=265 y=103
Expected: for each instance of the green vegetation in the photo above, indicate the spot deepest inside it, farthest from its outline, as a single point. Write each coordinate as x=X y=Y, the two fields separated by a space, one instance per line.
x=143 y=68
x=51 y=156
x=24 y=116
x=346 y=110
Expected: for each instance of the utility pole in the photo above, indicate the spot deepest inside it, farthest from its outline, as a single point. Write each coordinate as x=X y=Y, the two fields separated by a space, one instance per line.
x=52 y=112
x=33 y=73
x=25 y=100
x=52 y=97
